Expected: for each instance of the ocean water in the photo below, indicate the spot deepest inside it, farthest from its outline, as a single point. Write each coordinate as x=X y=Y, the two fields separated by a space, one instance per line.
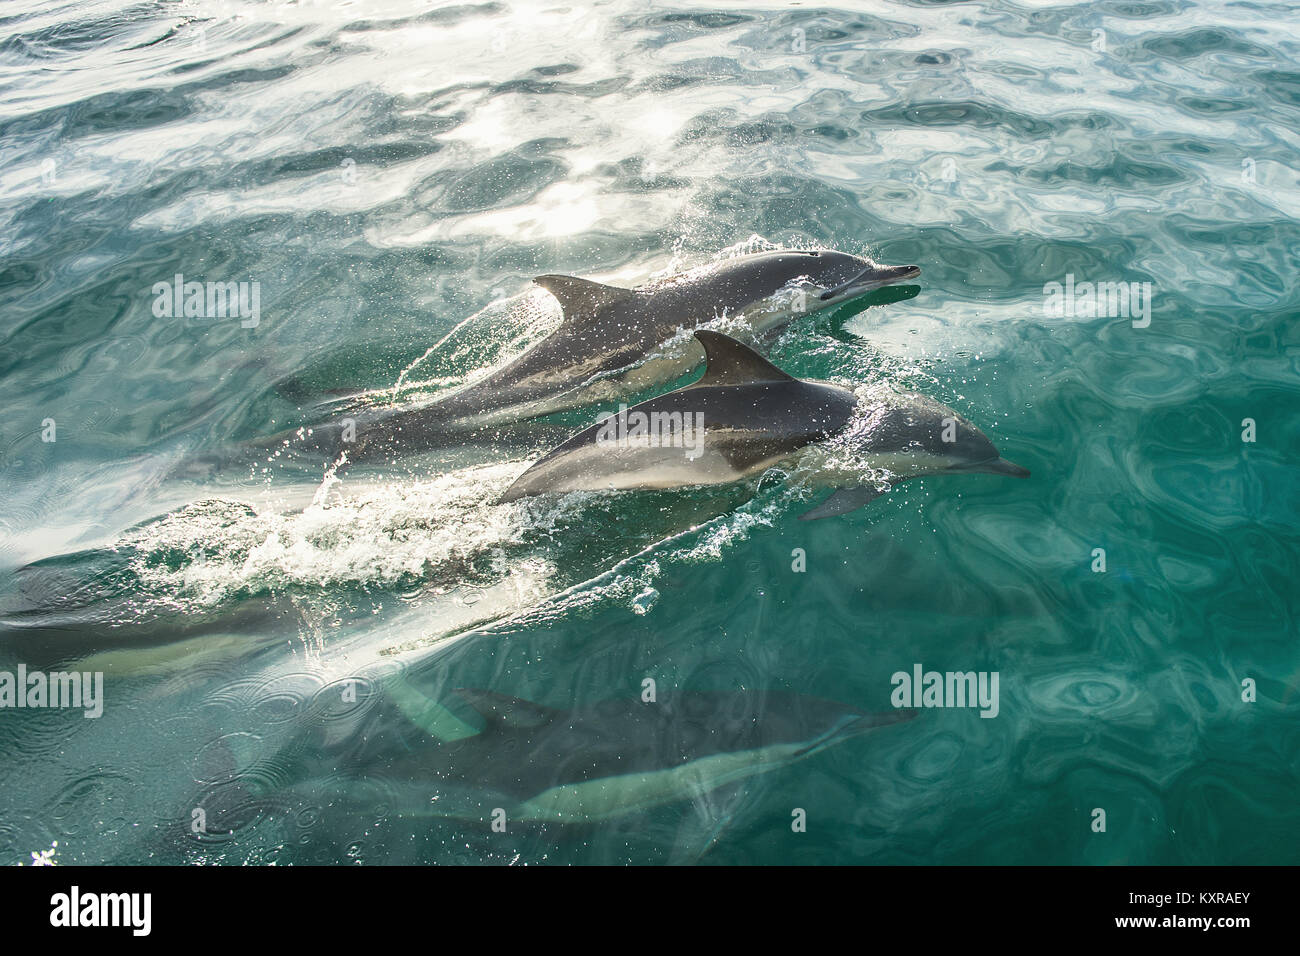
x=392 y=174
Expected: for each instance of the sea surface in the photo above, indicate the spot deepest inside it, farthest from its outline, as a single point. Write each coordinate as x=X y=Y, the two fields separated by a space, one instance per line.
x=391 y=175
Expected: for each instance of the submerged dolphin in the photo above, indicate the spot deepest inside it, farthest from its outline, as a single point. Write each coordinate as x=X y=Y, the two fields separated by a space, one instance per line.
x=594 y=763
x=745 y=415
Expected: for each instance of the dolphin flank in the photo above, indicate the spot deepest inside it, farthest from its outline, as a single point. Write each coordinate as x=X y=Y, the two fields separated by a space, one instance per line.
x=745 y=415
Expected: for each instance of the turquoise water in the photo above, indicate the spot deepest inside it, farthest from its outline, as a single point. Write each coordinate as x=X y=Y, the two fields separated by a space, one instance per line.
x=388 y=171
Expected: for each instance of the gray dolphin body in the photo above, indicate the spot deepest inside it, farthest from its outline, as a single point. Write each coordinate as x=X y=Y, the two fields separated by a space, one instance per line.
x=745 y=415
x=609 y=344
x=601 y=348
x=543 y=764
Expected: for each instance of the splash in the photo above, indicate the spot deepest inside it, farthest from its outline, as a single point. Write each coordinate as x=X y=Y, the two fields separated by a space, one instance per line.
x=492 y=337
x=433 y=533
x=44 y=857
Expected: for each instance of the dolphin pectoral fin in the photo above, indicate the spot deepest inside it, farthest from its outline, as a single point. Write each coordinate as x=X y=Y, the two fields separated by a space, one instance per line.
x=700 y=829
x=842 y=502
x=581 y=298
x=427 y=714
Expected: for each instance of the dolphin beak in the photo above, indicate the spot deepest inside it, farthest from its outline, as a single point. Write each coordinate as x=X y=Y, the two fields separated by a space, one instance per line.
x=883 y=275
x=1000 y=466
x=872 y=277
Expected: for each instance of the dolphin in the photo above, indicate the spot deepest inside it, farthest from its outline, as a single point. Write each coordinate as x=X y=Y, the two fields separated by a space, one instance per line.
x=608 y=333
x=745 y=415
x=550 y=765
x=613 y=342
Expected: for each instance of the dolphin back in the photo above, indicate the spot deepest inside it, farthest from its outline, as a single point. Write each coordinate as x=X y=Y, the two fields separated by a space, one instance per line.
x=742 y=416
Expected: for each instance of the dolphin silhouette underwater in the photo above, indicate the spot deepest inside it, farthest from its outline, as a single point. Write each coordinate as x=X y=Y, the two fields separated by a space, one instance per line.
x=592 y=763
x=610 y=343
x=745 y=415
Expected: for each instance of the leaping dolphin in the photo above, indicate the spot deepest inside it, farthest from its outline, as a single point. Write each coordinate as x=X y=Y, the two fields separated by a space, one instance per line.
x=611 y=343
x=745 y=415
x=606 y=330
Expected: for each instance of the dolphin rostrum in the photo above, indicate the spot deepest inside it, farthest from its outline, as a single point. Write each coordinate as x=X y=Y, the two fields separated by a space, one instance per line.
x=745 y=415
x=593 y=763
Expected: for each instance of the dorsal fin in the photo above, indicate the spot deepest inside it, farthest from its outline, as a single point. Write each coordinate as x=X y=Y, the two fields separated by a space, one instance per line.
x=501 y=710
x=581 y=297
x=730 y=363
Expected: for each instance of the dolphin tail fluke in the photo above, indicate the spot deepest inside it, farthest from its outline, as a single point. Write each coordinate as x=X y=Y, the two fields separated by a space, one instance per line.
x=842 y=502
